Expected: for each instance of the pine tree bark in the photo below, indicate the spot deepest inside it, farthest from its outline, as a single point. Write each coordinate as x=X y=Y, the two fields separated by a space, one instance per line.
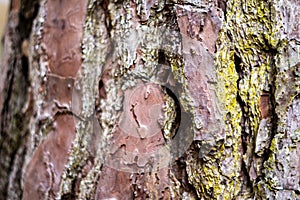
x=150 y=100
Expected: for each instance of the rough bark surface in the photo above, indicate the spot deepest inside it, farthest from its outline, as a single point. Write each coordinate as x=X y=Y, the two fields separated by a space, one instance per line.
x=150 y=100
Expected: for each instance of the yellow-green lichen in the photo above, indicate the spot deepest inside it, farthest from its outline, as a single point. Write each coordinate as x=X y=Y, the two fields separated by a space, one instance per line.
x=253 y=34
x=244 y=59
x=169 y=118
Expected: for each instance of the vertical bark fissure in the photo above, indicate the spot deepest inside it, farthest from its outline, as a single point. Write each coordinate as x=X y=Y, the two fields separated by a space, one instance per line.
x=7 y=94
x=4 y=151
x=14 y=119
x=245 y=136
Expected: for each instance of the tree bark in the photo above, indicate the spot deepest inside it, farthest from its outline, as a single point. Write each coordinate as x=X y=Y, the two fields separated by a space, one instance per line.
x=150 y=100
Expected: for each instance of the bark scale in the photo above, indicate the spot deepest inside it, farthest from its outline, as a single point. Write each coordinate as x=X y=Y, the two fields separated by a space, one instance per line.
x=150 y=100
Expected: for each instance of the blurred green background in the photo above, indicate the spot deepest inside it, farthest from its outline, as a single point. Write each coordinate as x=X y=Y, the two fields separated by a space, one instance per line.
x=3 y=19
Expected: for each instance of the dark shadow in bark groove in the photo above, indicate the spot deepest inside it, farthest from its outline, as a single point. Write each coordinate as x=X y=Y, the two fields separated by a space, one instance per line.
x=12 y=137
x=244 y=135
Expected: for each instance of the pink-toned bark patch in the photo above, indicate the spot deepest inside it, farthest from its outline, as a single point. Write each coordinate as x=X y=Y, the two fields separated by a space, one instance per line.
x=63 y=34
x=43 y=173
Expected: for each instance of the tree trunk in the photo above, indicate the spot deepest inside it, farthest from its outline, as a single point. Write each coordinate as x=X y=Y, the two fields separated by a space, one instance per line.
x=150 y=100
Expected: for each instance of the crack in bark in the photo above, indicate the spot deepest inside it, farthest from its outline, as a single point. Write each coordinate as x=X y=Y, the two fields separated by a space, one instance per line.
x=244 y=135
x=134 y=115
x=17 y=85
x=179 y=169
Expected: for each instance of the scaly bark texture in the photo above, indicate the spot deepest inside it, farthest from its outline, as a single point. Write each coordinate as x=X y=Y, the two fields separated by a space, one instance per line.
x=150 y=100
x=259 y=72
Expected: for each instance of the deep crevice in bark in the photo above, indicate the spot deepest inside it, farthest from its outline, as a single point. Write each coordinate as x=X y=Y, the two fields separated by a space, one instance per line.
x=179 y=169
x=29 y=11
x=5 y=151
x=8 y=93
x=16 y=93
x=238 y=68
x=244 y=135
